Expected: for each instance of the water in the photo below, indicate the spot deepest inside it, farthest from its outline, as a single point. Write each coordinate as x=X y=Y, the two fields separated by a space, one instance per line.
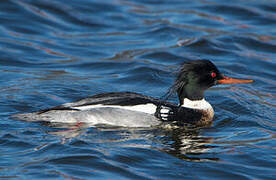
x=54 y=52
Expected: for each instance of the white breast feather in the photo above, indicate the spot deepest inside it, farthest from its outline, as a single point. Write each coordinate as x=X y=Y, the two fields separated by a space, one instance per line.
x=199 y=104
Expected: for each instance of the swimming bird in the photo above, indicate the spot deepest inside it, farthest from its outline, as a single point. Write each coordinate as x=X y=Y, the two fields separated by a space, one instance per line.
x=136 y=110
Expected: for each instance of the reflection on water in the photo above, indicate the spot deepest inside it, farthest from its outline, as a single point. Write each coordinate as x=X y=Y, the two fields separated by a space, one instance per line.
x=189 y=145
x=185 y=143
x=181 y=142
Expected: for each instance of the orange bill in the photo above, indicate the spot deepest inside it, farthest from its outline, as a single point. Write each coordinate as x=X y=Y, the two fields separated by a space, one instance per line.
x=228 y=80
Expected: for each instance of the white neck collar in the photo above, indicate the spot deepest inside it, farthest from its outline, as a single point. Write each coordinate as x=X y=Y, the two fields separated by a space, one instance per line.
x=196 y=104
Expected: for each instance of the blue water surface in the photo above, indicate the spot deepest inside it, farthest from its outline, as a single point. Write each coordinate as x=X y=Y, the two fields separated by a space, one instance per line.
x=54 y=51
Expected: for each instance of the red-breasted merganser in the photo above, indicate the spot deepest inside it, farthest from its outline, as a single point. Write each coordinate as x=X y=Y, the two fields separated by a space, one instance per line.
x=136 y=110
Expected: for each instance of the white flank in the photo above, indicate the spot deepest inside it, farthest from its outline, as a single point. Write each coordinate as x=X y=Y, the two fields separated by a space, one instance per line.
x=145 y=108
x=199 y=104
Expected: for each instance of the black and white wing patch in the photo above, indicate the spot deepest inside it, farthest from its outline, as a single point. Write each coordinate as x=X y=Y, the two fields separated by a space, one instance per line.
x=165 y=113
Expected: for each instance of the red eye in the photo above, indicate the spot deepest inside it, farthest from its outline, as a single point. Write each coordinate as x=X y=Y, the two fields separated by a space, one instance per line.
x=213 y=75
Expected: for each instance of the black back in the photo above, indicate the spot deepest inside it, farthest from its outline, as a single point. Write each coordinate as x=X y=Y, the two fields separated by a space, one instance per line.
x=113 y=98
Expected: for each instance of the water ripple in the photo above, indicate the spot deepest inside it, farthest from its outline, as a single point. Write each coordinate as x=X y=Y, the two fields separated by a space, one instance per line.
x=54 y=52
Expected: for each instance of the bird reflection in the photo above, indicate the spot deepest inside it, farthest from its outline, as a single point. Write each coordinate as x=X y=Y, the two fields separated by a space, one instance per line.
x=66 y=131
x=189 y=145
x=185 y=143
